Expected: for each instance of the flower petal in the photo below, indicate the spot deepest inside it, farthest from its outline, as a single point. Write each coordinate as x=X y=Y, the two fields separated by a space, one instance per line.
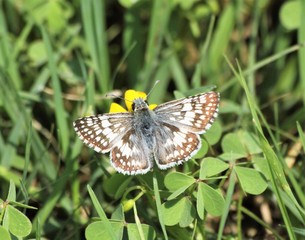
x=152 y=106
x=116 y=108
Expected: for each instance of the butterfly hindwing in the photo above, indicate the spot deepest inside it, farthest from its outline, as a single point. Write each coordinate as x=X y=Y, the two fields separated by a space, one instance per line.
x=177 y=145
x=131 y=155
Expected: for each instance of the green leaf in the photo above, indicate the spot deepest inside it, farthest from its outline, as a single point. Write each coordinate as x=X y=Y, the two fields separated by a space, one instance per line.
x=200 y=203
x=98 y=230
x=5 y=235
x=250 y=142
x=241 y=143
x=261 y=164
x=133 y=232
x=230 y=156
x=231 y=107
x=175 y=180
x=18 y=204
x=18 y=224
x=203 y=150
x=116 y=185
x=212 y=166
x=177 y=192
x=178 y=211
x=11 y=196
x=214 y=133
x=118 y=213
x=37 y=53
x=231 y=144
x=213 y=201
x=128 y=3
x=251 y=180
x=290 y=15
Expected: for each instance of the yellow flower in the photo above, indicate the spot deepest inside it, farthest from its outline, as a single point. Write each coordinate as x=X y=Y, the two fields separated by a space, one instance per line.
x=130 y=96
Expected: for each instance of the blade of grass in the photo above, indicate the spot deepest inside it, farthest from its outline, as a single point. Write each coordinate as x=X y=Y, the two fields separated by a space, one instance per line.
x=10 y=150
x=302 y=136
x=277 y=174
x=159 y=206
x=239 y=215
x=127 y=55
x=94 y=21
x=196 y=79
x=60 y=113
x=100 y=212
x=253 y=41
x=54 y=197
x=229 y=197
x=75 y=180
x=138 y=222
x=18 y=116
x=261 y=222
x=176 y=67
x=263 y=63
x=297 y=188
x=301 y=52
x=294 y=182
x=162 y=73
x=27 y=153
x=221 y=37
x=133 y=43
x=7 y=60
x=16 y=110
x=158 y=23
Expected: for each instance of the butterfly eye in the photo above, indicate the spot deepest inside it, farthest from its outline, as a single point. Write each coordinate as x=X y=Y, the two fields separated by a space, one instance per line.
x=133 y=106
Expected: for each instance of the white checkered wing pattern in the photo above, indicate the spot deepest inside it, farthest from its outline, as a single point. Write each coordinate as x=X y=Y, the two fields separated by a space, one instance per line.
x=114 y=133
x=103 y=131
x=182 y=121
x=131 y=155
x=174 y=145
x=169 y=133
x=195 y=114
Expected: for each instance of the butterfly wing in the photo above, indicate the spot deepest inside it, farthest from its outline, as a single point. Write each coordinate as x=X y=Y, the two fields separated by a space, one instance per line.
x=113 y=132
x=195 y=114
x=175 y=137
x=174 y=145
x=102 y=132
x=181 y=121
x=131 y=155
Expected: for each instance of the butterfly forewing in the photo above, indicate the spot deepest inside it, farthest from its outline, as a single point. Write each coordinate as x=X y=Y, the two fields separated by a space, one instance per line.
x=195 y=113
x=102 y=132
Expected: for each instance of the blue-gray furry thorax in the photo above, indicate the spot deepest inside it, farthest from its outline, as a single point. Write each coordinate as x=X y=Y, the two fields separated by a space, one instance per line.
x=144 y=122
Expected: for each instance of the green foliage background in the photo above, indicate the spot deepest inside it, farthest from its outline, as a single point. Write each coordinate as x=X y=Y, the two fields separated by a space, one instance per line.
x=59 y=59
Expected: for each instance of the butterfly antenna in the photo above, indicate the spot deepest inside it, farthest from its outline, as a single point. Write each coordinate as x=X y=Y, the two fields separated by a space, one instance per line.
x=156 y=82
x=115 y=96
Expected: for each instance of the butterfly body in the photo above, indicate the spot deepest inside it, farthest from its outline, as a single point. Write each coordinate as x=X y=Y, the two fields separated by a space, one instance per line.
x=144 y=120
x=168 y=134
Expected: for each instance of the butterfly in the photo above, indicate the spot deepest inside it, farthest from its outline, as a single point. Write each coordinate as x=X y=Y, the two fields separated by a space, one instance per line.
x=167 y=134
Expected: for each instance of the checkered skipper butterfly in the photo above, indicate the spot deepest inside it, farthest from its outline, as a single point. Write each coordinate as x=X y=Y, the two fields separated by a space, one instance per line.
x=168 y=133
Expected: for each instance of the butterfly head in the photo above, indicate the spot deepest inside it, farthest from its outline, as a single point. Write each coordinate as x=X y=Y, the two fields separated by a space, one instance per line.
x=134 y=101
